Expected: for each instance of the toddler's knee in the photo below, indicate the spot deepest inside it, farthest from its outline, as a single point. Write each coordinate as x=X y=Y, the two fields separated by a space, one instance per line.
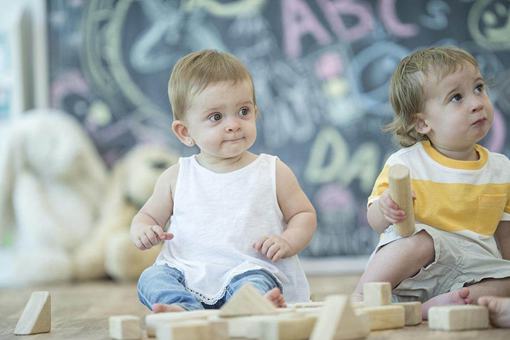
x=421 y=245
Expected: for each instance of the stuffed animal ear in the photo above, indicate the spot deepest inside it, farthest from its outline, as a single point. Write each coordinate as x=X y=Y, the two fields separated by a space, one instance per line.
x=11 y=161
x=94 y=174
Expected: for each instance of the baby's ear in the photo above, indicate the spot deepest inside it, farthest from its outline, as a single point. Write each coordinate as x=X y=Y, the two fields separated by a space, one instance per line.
x=421 y=125
x=180 y=130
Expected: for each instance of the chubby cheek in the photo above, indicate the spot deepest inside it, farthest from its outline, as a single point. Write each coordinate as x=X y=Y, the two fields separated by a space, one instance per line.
x=252 y=132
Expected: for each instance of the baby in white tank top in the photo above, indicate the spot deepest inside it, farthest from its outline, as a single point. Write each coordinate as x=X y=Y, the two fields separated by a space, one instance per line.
x=235 y=217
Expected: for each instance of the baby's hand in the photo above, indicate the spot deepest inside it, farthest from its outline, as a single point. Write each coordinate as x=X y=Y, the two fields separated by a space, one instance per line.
x=390 y=210
x=274 y=247
x=149 y=236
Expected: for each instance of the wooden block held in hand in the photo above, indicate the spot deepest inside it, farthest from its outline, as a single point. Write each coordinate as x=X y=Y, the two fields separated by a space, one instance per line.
x=458 y=317
x=376 y=294
x=412 y=312
x=400 y=192
x=247 y=301
x=125 y=327
x=36 y=317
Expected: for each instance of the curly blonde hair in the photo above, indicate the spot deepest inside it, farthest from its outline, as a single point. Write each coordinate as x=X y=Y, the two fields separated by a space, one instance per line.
x=195 y=71
x=406 y=87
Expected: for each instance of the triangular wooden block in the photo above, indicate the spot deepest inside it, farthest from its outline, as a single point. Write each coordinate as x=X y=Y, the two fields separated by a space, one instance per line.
x=338 y=321
x=247 y=301
x=36 y=317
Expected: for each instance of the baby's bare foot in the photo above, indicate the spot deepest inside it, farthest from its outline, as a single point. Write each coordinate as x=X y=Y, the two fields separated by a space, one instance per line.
x=162 y=308
x=499 y=310
x=457 y=297
x=276 y=297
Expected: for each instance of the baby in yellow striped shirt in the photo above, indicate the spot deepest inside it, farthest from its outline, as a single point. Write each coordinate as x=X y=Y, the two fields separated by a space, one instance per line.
x=461 y=245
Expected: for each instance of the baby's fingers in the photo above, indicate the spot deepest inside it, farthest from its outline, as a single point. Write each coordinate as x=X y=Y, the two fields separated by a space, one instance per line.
x=279 y=255
x=258 y=245
x=395 y=216
x=266 y=245
x=272 y=251
x=162 y=235
x=146 y=242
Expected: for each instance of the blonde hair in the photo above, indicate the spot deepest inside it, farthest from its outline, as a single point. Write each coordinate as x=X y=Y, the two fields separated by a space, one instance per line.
x=406 y=88
x=195 y=71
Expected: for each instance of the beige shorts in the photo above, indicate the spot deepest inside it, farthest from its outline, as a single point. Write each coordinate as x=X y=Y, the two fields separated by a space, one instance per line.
x=458 y=262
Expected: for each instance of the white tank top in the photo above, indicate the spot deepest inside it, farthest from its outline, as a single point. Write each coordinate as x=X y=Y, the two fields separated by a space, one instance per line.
x=216 y=219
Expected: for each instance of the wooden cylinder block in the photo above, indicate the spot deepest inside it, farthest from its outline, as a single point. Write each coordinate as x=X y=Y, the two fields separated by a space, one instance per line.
x=400 y=191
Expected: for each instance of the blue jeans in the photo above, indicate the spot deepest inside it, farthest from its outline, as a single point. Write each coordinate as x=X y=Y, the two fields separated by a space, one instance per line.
x=164 y=284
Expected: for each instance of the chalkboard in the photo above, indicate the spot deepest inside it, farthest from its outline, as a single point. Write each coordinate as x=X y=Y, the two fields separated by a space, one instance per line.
x=321 y=70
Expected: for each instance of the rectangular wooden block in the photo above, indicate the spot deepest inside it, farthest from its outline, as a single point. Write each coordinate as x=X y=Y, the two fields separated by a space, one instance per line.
x=125 y=327
x=198 y=329
x=184 y=330
x=458 y=318
x=247 y=326
x=412 y=312
x=376 y=294
x=288 y=327
x=384 y=317
x=311 y=304
x=152 y=320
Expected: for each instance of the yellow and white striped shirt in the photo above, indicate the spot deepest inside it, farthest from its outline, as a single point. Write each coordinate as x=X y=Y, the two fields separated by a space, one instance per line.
x=465 y=197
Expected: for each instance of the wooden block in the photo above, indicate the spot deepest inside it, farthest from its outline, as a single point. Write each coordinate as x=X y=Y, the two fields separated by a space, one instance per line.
x=288 y=327
x=218 y=329
x=384 y=317
x=458 y=317
x=183 y=330
x=125 y=327
x=337 y=320
x=152 y=320
x=215 y=329
x=400 y=191
x=357 y=304
x=247 y=326
x=36 y=317
x=311 y=304
x=310 y=311
x=412 y=312
x=247 y=301
x=376 y=294
x=283 y=326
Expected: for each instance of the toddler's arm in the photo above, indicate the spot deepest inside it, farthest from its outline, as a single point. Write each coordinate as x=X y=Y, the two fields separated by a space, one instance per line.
x=502 y=236
x=297 y=211
x=383 y=212
x=147 y=226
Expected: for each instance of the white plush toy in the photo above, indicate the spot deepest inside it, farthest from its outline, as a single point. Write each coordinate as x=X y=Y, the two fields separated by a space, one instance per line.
x=51 y=187
x=109 y=250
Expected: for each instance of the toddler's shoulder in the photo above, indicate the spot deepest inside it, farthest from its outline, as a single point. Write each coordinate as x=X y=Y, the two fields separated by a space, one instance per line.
x=499 y=162
x=499 y=157
x=170 y=174
x=405 y=156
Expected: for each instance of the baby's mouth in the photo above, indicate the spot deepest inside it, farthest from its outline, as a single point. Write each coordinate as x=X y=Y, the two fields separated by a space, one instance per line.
x=480 y=121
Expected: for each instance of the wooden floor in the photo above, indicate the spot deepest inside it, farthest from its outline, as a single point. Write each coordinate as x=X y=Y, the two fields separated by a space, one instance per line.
x=81 y=311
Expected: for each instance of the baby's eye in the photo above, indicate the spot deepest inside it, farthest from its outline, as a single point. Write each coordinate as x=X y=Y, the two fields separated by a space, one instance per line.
x=456 y=98
x=480 y=88
x=214 y=117
x=244 y=111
